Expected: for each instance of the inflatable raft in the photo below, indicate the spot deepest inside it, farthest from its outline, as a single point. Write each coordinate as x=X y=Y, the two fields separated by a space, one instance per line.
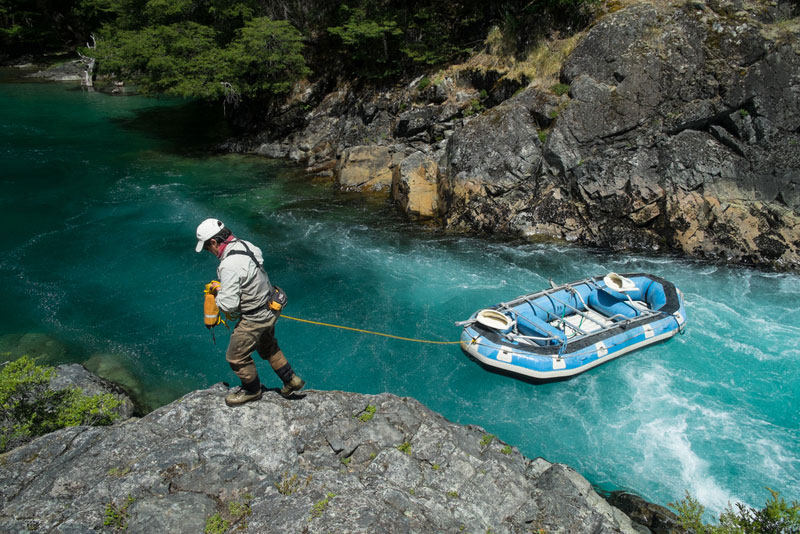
x=566 y=330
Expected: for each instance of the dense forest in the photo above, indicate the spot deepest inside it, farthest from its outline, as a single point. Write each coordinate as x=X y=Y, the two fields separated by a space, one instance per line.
x=256 y=49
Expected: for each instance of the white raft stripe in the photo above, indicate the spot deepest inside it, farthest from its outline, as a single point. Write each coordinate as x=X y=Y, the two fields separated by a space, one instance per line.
x=472 y=349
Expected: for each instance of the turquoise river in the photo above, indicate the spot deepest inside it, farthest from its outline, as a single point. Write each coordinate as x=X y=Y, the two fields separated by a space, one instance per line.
x=101 y=197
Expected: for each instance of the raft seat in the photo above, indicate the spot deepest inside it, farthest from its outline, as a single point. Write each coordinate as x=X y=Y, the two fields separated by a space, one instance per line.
x=536 y=327
x=589 y=322
x=611 y=306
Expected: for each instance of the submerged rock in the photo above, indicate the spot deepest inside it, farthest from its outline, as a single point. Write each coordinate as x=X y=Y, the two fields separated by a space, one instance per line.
x=112 y=367
x=41 y=347
x=329 y=462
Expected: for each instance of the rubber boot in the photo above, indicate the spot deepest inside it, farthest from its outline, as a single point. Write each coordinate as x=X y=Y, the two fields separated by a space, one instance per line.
x=244 y=393
x=295 y=384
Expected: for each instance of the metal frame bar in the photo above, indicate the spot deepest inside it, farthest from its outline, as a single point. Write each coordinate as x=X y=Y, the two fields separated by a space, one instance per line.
x=572 y=287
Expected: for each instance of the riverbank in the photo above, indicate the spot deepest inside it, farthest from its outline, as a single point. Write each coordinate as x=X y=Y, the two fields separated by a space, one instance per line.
x=650 y=142
x=632 y=136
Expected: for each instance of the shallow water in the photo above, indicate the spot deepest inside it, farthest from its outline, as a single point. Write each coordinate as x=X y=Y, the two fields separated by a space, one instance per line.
x=101 y=198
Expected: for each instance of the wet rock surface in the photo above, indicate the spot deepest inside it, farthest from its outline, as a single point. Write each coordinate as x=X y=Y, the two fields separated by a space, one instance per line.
x=320 y=462
x=646 y=515
x=68 y=71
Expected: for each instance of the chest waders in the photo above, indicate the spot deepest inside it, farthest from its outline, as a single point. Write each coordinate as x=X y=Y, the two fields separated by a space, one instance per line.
x=276 y=297
x=266 y=345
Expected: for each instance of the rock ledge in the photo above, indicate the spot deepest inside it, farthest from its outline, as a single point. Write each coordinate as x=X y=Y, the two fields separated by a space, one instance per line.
x=321 y=462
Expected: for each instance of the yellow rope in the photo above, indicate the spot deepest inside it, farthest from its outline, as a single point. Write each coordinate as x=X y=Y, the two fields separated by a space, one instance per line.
x=371 y=332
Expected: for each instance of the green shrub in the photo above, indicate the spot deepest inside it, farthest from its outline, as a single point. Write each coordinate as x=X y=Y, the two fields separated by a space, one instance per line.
x=559 y=89
x=242 y=509
x=216 y=525
x=474 y=107
x=423 y=83
x=320 y=506
x=369 y=413
x=30 y=408
x=263 y=59
x=116 y=516
x=291 y=484
x=776 y=517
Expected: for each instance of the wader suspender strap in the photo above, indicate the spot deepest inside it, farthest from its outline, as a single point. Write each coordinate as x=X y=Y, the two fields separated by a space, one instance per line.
x=248 y=252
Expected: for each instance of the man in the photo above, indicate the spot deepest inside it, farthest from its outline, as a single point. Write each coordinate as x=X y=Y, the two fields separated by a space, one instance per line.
x=244 y=291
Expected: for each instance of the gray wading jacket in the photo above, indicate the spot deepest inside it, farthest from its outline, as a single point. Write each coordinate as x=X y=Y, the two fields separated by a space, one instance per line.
x=244 y=286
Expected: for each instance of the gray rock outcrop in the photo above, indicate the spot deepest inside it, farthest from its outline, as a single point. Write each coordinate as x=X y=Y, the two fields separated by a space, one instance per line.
x=29 y=403
x=68 y=71
x=680 y=133
x=76 y=375
x=329 y=462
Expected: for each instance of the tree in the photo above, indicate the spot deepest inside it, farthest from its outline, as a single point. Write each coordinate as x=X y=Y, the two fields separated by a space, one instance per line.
x=370 y=39
x=777 y=517
x=266 y=58
x=179 y=59
x=210 y=50
x=37 y=26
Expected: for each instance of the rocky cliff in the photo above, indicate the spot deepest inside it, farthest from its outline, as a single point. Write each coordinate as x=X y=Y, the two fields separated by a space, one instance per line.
x=320 y=462
x=680 y=131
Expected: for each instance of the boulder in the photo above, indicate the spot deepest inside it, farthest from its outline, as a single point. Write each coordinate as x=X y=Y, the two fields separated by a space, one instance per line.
x=679 y=133
x=38 y=400
x=662 y=144
x=324 y=462
x=491 y=163
x=655 y=518
x=365 y=168
x=414 y=186
x=76 y=375
x=68 y=71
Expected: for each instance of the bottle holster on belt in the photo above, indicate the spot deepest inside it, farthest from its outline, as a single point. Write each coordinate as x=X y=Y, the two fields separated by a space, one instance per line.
x=276 y=300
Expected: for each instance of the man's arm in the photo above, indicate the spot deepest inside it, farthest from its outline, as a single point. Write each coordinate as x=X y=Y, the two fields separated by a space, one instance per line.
x=229 y=290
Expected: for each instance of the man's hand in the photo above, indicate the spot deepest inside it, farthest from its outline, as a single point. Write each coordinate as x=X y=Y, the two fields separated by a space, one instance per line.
x=212 y=287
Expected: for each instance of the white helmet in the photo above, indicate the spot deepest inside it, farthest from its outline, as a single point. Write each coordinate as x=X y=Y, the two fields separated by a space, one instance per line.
x=206 y=230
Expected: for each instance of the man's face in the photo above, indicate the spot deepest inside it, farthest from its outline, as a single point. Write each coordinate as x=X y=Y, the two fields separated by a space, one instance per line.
x=212 y=246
